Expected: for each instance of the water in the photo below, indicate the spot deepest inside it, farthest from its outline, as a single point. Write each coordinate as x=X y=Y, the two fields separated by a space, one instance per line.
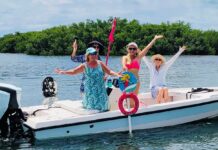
x=28 y=72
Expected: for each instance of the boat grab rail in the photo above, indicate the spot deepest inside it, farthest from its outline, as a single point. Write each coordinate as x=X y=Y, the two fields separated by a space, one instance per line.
x=34 y=112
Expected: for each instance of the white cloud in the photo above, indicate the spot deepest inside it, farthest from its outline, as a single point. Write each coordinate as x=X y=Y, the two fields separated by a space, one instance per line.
x=29 y=15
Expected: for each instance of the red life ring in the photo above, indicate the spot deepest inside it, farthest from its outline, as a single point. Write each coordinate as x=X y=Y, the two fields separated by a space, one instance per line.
x=133 y=110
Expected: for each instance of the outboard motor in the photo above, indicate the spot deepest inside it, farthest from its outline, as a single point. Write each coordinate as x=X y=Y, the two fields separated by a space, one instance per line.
x=10 y=113
x=49 y=89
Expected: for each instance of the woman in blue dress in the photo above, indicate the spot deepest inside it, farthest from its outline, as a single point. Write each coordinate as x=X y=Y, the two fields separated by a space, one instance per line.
x=95 y=96
x=81 y=58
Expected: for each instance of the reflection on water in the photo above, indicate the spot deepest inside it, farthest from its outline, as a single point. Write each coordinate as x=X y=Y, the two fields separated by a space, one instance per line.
x=28 y=72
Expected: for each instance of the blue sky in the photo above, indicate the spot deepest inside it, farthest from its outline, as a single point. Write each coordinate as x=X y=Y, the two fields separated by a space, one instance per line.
x=36 y=15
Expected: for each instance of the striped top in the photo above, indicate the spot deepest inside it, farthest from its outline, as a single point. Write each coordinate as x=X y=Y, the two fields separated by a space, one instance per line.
x=158 y=77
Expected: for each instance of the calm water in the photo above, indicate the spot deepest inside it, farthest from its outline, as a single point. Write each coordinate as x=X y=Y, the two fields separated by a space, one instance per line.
x=28 y=72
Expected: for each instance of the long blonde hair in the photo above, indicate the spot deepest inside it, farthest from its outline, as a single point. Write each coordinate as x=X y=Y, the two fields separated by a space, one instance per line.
x=136 y=55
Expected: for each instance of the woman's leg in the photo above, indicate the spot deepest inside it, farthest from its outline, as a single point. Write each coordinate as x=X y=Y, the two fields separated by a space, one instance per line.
x=166 y=95
x=160 y=93
x=132 y=104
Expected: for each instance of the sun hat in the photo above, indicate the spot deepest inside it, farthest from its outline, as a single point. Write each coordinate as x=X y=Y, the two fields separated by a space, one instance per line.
x=101 y=47
x=132 y=44
x=158 y=56
x=90 y=50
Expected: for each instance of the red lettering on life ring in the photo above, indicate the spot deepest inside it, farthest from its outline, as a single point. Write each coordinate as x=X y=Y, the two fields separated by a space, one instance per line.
x=133 y=110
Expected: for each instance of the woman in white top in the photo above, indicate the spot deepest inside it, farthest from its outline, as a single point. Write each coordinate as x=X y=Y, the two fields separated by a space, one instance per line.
x=158 y=69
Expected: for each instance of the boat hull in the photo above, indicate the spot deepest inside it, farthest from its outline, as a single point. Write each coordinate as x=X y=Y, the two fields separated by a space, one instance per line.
x=142 y=120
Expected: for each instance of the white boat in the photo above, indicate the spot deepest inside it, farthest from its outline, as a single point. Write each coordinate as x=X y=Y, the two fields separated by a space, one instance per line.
x=68 y=118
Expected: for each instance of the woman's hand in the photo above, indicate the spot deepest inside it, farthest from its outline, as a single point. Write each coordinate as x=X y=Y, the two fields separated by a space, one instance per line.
x=156 y=37
x=125 y=68
x=59 y=71
x=119 y=75
x=183 y=48
x=74 y=45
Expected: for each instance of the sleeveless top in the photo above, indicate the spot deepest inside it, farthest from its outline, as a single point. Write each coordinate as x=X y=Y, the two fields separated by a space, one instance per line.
x=81 y=59
x=95 y=96
x=134 y=64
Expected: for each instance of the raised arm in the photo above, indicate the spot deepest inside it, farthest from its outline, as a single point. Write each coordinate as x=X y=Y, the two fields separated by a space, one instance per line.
x=147 y=62
x=109 y=71
x=74 y=47
x=74 y=58
x=74 y=71
x=172 y=60
x=145 y=50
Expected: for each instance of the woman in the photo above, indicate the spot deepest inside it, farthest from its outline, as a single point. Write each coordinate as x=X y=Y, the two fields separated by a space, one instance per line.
x=158 y=69
x=95 y=96
x=81 y=58
x=131 y=62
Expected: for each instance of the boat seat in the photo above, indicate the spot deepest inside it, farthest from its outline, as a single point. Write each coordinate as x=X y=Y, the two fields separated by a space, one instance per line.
x=75 y=107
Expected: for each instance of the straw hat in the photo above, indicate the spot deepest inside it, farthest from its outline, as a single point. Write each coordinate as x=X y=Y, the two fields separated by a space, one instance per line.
x=132 y=44
x=158 y=56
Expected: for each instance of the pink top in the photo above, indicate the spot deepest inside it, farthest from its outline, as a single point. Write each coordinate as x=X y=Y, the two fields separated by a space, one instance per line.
x=133 y=65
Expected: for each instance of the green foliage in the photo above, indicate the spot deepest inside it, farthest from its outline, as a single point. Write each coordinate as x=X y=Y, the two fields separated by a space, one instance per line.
x=58 y=40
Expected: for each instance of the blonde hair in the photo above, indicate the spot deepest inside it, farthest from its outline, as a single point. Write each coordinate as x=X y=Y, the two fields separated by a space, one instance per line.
x=138 y=51
x=158 y=56
x=87 y=57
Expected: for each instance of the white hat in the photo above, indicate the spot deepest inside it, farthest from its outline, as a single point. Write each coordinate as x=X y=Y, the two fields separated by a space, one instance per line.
x=132 y=44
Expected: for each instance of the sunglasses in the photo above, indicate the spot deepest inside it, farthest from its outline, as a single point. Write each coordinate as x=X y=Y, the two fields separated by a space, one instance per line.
x=157 y=59
x=95 y=46
x=132 y=49
x=95 y=53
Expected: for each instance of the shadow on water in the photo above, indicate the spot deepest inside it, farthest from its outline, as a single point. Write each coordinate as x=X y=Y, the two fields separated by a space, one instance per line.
x=196 y=135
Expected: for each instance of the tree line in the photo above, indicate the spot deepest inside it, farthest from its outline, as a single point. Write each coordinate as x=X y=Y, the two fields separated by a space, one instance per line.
x=58 y=40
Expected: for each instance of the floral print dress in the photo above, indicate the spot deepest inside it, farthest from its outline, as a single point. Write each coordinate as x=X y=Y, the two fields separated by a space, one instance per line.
x=95 y=96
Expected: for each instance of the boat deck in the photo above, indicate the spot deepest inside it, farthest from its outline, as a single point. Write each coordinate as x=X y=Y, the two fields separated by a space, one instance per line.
x=71 y=111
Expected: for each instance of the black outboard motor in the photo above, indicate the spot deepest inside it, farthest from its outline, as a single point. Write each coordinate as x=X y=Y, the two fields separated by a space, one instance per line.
x=10 y=113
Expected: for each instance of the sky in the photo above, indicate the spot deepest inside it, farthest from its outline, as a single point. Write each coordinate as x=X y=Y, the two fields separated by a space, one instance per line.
x=35 y=15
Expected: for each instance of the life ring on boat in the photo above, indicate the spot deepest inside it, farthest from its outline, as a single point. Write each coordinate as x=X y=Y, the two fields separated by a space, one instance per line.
x=123 y=97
